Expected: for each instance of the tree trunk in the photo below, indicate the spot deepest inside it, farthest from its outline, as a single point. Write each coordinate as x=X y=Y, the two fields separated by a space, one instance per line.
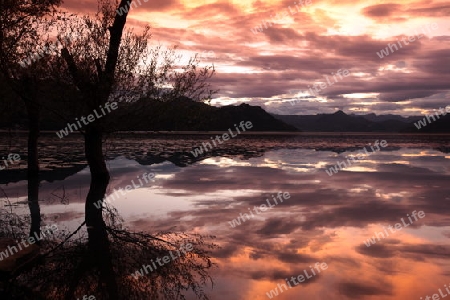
x=99 y=179
x=98 y=238
x=99 y=247
x=33 y=111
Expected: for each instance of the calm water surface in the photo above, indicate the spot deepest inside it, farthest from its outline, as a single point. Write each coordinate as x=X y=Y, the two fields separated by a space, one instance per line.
x=327 y=219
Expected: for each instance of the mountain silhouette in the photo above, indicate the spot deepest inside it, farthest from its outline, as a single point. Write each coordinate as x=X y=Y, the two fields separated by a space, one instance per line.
x=183 y=114
x=341 y=122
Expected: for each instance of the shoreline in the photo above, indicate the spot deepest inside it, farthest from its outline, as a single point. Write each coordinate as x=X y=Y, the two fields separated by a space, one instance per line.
x=256 y=133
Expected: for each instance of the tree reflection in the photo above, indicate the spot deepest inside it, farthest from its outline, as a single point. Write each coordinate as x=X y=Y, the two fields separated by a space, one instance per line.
x=101 y=261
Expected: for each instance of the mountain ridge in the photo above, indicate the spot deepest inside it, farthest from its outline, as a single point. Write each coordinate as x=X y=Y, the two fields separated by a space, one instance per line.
x=184 y=114
x=339 y=121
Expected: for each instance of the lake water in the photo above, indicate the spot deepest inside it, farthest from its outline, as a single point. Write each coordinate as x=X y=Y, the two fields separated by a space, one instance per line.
x=326 y=219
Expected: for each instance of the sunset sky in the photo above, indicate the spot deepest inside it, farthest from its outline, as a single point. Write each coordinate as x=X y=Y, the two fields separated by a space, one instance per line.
x=304 y=44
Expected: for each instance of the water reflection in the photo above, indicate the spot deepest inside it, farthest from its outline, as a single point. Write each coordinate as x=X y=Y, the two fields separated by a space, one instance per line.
x=326 y=219
x=103 y=263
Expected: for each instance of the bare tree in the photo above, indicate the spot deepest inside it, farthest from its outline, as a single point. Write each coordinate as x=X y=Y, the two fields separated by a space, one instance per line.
x=164 y=78
x=23 y=25
x=106 y=64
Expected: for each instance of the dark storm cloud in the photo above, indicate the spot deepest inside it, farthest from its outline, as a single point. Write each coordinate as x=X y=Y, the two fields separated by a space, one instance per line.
x=434 y=62
x=405 y=95
x=283 y=274
x=357 y=290
x=204 y=12
x=281 y=35
x=393 y=11
x=278 y=226
x=378 y=250
x=382 y=10
x=295 y=258
x=434 y=10
x=416 y=252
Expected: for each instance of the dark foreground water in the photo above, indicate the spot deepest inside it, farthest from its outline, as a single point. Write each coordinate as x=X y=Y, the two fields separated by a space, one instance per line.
x=399 y=197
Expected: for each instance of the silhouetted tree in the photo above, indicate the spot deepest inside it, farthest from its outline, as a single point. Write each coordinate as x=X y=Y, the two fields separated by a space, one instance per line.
x=106 y=64
x=23 y=25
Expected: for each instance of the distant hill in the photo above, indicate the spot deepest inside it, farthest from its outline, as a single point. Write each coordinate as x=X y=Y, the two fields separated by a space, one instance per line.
x=381 y=118
x=341 y=122
x=184 y=114
x=439 y=126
